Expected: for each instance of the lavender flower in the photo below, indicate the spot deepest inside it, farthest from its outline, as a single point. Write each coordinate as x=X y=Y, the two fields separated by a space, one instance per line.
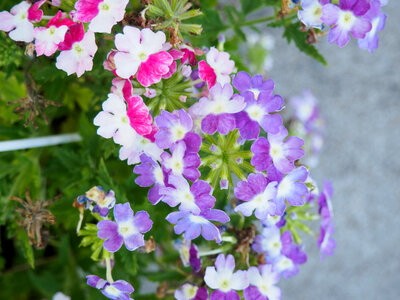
x=222 y=279
x=262 y=284
x=119 y=289
x=218 y=110
x=258 y=194
x=191 y=292
x=269 y=242
x=150 y=174
x=127 y=229
x=325 y=241
x=194 y=225
x=180 y=162
x=253 y=88
x=292 y=189
x=346 y=18
x=191 y=199
x=325 y=205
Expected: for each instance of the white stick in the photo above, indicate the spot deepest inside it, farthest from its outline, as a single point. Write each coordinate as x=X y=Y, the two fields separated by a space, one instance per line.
x=39 y=142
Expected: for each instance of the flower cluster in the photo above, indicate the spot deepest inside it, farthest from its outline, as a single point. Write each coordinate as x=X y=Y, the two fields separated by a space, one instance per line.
x=360 y=18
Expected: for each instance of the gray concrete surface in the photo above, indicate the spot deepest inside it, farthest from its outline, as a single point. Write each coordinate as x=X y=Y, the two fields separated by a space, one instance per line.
x=359 y=95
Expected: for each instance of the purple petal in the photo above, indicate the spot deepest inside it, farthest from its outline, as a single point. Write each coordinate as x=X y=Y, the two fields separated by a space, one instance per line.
x=107 y=229
x=142 y=221
x=114 y=243
x=134 y=241
x=209 y=124
x=123 y=212
x=193 y=142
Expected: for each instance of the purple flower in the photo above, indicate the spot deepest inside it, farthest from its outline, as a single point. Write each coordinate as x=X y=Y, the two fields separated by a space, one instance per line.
x=325 y=205
x=253 y=88
x=180 y=162
x=325 y=242
x=378 y=20
x=292 y=256
x=194 y=225
x=306 y=107
x=127 y=229
x=189 y=254
x=191 y=198
x=346 y=18
x=218 y=110
x=281 y=153
x=262 y=284
x=150 y=173
x=222 y=279
x=119 y=289
x=191 y=292
x=102 y=202
x=311 y=13
x=173 y=127
x=258 y=194
x=269 y=242
x=292 y=189
x=194 y=258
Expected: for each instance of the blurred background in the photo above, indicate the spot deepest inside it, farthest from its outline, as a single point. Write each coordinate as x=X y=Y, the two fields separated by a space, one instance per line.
x=359 y=96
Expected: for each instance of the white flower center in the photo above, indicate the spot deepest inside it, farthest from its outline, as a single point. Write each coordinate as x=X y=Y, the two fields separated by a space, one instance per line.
x=143 y=56
x=126 y=228
x=284 y=263
x=159 y=176
x=178 y=132
x=52 y=30
x=255 y=113
x=112 y=291
x=198 y=219
x=264 y=289
x=23 y=16
x=190 y=291
x=346 y=20
x=276 y=151
x=284 y=188
x=125 y=119
x=256 y=92
x=77 y=48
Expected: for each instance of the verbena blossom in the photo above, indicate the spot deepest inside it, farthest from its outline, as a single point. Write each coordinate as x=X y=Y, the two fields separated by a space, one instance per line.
x=17 y=23
x=189 y=254
x=262 y=282
x=224 y=280
x=140 y=53
x=119 y=289
x=217 y=68
x=191 y=198
x=128 y=228
x=260 y=104
x=311 y=13
x=77 y=51
x=258 y=195
x=325 y=241
x=179 y=162
x=347 y=17
x=193 y=225
x=35 y=14
x=47 y=38
x=292 y=189
x=150 y=174
x=191 y=292
x=102 y=14
x=218 y=109
x=268 y=242
x=378 y=20
x=174 y=127
x=280 y=150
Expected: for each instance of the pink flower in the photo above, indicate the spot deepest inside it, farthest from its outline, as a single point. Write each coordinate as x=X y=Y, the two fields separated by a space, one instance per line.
x=47 y=38
x=34 y=13
x=217 y=68
x=78 y=49
x=17 y=23
x=102 y=14
x=140 y=52
x=139 y=116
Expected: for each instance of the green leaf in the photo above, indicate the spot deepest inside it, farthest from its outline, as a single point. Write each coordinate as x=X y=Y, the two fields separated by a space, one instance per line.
x=25 y=247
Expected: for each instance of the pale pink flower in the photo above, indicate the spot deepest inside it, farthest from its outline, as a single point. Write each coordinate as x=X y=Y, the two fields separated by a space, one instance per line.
x=78 y=49
x=141 y=52
x=102 y=14
x=16 y=23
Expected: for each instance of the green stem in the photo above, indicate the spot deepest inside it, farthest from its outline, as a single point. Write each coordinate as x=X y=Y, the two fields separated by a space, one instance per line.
x=256 y=21
x=108 y=266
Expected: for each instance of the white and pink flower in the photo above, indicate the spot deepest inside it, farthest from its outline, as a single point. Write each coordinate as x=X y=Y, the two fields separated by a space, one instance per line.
x=77 y=51
x=102 y=14
x=140 y=53
x=17 y=23
x=47 y=38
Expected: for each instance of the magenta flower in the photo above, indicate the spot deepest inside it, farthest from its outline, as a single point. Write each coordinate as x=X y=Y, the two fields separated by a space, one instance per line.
x=251 y=88
x=262 y=282
x=77 y=51
x=102 y=14
x=181 y=162
x=174 y=127
x=191 y=198
x=139 y=116
x=217 y=68
x=17 y=23
x=222 y=279
x=258 y=195
x=281 y=152
x=140 y=53
x=191 y=292
x=194 y=225
x=150 y=174
x=218 y=110
x=47 y=38
x=346 y=18
x=292 y=189
x=119 y=289
x=35 y=14
x=378 y=20
x=127 y=229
